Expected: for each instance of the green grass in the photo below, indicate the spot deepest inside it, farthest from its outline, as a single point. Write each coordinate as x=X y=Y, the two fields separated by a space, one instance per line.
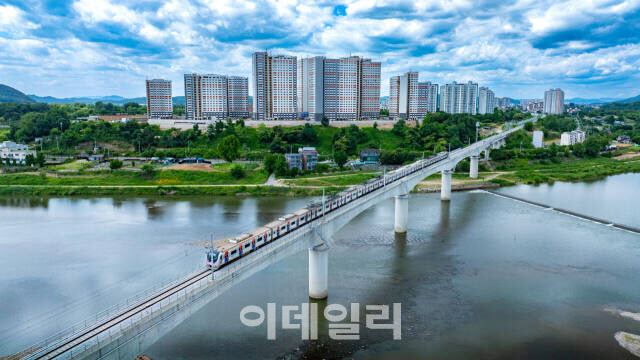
x=577 y=170
x=74 y=165
x=129 y=178
x=332 y=180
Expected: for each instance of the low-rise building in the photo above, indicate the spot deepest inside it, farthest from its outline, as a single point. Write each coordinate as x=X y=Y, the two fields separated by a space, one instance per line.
x=309 y=157
x=572 y=137
x=370 y=155
x=624 y=139
x=15 y=153
x=294 y=160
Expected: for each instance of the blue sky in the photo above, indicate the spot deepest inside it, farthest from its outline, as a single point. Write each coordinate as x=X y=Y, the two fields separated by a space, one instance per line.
x=518 y=48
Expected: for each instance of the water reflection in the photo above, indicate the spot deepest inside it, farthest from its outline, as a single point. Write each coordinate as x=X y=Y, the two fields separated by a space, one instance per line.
x=30 y=202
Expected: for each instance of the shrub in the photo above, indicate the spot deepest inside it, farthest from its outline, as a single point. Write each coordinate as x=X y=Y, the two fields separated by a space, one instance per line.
x=115 y=164
x=237 y=171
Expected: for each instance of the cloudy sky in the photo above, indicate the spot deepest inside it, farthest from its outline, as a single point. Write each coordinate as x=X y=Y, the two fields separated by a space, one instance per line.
x=590 y=48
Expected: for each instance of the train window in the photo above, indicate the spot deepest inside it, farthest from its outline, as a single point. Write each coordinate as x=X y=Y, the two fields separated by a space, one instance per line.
x=233 y=252
x=247 y=245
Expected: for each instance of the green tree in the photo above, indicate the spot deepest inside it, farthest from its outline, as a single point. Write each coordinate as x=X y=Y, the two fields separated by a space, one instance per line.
x=29 y=160
x=211 y=132
x=399 y=128
x=40 y=160
x=148 y=170
x=115 y=164
x=528 y=126
x=579 y=149
x=237 y=171
x=280 y=168
x=270 y=162
x=340 y=158
x=324 y=121
x=229 y=148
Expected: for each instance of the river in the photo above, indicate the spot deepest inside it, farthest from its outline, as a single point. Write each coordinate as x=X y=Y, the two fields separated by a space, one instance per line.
x=481 y=277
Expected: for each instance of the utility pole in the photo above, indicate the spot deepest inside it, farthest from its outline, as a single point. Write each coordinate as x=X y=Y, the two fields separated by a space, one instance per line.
x=323 y=210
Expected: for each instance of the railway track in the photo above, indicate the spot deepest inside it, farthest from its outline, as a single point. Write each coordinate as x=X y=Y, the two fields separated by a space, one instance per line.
x=114 y=321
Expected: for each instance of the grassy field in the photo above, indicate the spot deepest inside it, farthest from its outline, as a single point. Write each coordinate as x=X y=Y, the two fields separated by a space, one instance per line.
x=334 y=180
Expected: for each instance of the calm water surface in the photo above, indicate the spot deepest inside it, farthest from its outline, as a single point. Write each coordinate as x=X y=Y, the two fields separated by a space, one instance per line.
x=482 y=277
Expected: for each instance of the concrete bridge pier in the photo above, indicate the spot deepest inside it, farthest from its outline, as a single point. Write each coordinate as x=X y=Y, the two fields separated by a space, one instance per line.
x=445 y=188
x=319 y=271
x=473 y=167
x=402 y=213
x=486 y=154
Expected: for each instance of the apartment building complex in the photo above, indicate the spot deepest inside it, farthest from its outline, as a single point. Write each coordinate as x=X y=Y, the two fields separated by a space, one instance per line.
x=339 y=89
x=411 y=99
x=554 y=101
x=159 y=99
x=459 y=98
x=274 y=87
x=213 y=96
x=486 y=101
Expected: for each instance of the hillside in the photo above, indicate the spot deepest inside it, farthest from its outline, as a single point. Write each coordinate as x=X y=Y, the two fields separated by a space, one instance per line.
x=9 y=94
x=630 y=100
x=114 y=99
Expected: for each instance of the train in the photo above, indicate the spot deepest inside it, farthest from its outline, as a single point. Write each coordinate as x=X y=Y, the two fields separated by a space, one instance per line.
x=231 y=249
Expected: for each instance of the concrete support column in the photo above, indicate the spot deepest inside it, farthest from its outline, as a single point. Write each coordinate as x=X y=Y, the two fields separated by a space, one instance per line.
x=486 y=154
x=402 y=213
x=319 y=271
x=473 y=167
x=445 y=188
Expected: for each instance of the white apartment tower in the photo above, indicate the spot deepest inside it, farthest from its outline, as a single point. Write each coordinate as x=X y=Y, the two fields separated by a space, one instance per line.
x=554 y=101
x=459 y=98
x=274 y=87
x=215 y=96
x=311 y=87
x=486 y=101
x=411 y=99
x=159 y=99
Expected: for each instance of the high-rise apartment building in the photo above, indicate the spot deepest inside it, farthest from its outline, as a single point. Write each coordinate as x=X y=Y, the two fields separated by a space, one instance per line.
x=339 y=89
x=212 y=96
x=159 y=99
x=274 y=87
x=238 y=97
x=554 y=101
x=486 y=101
x=459 y=98
x=311 y=87
x=411 y=99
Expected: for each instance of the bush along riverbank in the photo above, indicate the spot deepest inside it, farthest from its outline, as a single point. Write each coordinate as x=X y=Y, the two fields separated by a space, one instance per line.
x=199 y=183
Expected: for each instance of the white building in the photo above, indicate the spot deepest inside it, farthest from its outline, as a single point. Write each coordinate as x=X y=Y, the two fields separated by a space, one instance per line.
x=274 y=87
x=411 y=99
x=486 y=101
x=213 y=96
x=311 y=87
x=538 y=139
x=16 y=153
x=554 y=101
x=159 y=99
x=459 y=98
x=570 y=138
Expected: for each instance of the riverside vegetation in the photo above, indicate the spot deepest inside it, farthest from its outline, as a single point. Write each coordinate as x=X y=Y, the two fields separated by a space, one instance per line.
x=517 y=162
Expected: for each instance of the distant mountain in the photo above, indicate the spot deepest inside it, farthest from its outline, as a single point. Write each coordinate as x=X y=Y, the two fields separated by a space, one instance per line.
x=114 y=99
x=9 y=94
x=583 y=101
x=629 y=100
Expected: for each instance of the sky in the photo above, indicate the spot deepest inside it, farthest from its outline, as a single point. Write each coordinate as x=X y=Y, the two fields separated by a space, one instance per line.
x=589 y=48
